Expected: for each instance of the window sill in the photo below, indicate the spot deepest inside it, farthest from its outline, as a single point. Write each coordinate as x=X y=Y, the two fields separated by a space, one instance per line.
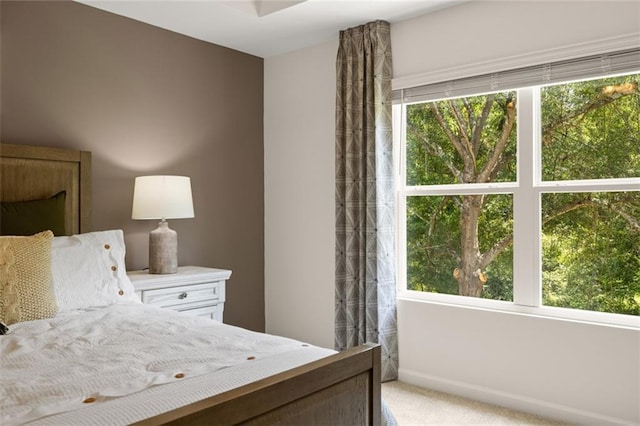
x=548 y=312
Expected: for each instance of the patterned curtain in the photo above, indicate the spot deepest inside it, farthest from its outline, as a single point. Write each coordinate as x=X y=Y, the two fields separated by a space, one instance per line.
x=365 y=277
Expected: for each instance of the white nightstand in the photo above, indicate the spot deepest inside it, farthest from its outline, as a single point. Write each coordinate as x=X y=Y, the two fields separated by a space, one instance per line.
x=193 y=290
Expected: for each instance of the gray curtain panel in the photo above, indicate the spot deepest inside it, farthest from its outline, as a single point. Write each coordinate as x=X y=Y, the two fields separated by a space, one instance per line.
x=365 y=277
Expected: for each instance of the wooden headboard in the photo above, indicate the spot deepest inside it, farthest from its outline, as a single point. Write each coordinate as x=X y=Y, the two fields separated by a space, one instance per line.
x=33 y=173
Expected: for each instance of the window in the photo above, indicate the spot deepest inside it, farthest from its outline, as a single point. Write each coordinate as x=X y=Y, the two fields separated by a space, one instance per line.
x=522 y=189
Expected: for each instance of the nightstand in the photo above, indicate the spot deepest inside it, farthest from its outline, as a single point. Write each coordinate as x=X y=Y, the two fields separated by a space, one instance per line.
x=193 y=290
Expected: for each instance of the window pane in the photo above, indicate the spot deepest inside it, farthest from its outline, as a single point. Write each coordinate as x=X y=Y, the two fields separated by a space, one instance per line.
x=591 y=251
x=463 y=140
x=591 y=129
x=449 y=242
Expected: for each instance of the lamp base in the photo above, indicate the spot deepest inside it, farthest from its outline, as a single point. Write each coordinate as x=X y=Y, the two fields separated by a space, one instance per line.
x=163 y=250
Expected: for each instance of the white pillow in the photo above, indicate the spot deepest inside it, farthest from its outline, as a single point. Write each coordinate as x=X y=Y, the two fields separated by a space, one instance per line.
x=88 y=270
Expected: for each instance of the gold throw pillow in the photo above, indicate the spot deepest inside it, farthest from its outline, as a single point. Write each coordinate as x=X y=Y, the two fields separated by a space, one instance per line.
x=26 y=290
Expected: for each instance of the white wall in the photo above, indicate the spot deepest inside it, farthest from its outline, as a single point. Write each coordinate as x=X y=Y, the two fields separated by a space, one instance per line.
x=568 y=370
x=299 y=193
x=577 y=372
x=481 y=31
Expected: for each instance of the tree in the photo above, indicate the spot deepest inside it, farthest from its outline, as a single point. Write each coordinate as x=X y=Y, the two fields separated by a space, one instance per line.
x=592 y=130
x=473 y=140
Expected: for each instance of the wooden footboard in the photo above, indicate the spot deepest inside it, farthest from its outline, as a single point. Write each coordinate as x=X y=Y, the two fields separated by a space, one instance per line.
x=343 y=389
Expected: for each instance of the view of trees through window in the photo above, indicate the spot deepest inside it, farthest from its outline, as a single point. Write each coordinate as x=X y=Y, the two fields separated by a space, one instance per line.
x=460 y=240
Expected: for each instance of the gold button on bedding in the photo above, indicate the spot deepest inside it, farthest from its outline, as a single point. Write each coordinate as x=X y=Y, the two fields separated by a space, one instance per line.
x=114 y=268
x=251 y=357
x=89 y=400
x=107 y=246
x=121 y=292
x=179 y=376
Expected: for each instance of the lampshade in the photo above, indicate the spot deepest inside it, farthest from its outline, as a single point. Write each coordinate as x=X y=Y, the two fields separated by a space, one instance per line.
x=162 y=197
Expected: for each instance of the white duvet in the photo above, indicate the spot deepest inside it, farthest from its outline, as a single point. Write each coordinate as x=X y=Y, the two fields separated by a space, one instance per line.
x=101 y=366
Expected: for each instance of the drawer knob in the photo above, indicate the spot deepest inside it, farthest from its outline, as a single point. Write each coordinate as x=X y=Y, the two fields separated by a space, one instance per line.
x=182 y=296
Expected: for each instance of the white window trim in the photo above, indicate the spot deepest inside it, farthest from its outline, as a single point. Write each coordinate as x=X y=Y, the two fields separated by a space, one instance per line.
x=527 y=294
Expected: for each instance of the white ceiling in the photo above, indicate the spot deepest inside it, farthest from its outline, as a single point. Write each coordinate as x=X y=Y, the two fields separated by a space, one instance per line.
x=266 y=27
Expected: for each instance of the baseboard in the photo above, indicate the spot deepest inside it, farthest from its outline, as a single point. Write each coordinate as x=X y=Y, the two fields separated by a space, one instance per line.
x=515 y=402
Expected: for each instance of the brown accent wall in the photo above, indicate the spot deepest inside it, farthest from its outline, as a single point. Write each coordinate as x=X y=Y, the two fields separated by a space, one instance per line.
x=146 y=101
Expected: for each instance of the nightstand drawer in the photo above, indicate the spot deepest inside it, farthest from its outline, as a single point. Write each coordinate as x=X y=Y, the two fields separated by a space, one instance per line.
x=173 y=297
x=194 y=290
x=211 y=312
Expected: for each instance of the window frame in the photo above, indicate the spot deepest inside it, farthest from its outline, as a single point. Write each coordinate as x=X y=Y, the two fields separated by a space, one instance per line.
x=527 y=193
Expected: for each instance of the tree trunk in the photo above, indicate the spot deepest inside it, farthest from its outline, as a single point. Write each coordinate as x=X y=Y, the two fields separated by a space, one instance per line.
x=469 y=274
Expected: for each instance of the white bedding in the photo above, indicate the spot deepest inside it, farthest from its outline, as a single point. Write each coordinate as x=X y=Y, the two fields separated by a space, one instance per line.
x=117 y=354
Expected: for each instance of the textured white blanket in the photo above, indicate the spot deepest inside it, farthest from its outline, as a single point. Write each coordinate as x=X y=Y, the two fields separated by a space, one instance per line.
x=101 y=365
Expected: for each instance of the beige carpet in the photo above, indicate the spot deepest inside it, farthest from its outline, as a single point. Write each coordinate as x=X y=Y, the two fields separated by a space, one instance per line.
x=412 y=405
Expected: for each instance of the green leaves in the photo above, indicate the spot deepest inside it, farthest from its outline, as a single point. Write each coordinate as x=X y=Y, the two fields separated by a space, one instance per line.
x=591 y=130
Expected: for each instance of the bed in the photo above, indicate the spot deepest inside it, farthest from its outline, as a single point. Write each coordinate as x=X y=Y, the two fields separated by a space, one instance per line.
x=283 y=381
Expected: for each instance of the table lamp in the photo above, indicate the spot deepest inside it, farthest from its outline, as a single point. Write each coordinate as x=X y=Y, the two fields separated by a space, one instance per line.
x=162 y=197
